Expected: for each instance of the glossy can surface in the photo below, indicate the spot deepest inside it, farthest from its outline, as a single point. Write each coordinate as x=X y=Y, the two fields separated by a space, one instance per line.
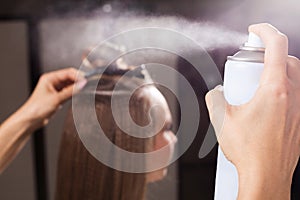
x=241 y=80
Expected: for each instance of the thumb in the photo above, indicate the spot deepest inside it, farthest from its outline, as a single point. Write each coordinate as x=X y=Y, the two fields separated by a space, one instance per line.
x=216 y=105
x=68 y=91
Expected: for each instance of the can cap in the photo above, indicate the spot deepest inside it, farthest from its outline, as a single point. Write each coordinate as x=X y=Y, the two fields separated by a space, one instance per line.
x=254 y=41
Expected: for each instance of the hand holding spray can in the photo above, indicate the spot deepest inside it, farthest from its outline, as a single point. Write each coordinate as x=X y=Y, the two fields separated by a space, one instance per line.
x=241 y=80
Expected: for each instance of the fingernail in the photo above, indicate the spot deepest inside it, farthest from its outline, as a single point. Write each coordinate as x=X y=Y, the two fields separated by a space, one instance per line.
x=80 y=84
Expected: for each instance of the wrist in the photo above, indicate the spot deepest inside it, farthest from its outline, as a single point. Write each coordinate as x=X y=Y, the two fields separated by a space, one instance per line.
x=264 y=184
x=27 y=115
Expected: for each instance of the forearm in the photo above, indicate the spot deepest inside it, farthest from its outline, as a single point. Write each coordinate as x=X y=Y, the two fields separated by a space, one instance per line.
x=14 y=133
x=52 y=90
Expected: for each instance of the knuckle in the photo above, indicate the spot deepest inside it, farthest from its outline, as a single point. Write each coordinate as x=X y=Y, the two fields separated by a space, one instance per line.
x=43 y=78
x=280 y=91
x=258 y=27
x=207 y=96
x=292 y=60
x=265 y=25
x=71 y=70
x=281 y=38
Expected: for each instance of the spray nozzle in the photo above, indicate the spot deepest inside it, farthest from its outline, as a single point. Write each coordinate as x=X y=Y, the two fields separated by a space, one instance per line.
x=254 y=41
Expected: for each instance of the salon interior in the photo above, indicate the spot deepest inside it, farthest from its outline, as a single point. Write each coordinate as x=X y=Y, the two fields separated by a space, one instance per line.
x=164 y=40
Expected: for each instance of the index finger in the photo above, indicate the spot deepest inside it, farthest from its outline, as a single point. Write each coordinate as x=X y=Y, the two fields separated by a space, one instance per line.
x=276 y=52
x=68 y=74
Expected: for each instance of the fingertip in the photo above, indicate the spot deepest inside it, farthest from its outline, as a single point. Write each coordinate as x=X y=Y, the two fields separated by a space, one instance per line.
x=254 y=28
x=77 y=74
x=257 y=28
x=219 y=88
x=208 y=99
x=80 y=85
x=267 y=32
x=209 y=96
x=276 y=50
x=216 y=105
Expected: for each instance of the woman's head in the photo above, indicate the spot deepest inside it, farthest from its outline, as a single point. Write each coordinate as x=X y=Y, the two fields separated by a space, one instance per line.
x=81 y=176
x=164 y=137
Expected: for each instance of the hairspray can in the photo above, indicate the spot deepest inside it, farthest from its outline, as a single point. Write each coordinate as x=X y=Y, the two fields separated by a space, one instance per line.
x=241 y=79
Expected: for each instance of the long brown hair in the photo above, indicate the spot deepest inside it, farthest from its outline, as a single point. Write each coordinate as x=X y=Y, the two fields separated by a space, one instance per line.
x=80 y=176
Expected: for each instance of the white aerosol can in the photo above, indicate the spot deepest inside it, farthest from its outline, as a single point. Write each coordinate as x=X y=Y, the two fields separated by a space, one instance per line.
x=241 y=79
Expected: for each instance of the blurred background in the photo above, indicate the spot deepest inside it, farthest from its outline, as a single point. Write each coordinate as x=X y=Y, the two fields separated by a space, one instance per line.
x=37 y=36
